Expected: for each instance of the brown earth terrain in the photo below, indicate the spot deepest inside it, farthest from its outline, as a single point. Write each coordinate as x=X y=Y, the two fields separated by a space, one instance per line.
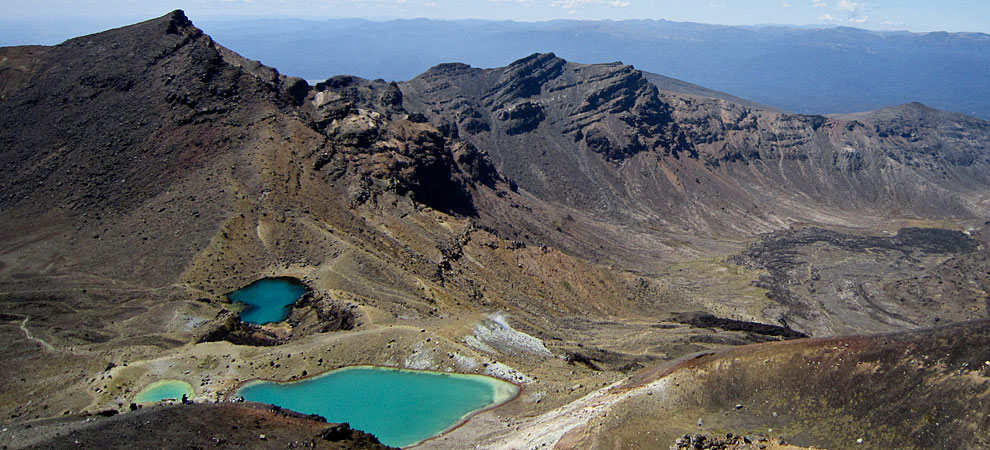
x=571 y=228
x=214 y=425
x=919 y=389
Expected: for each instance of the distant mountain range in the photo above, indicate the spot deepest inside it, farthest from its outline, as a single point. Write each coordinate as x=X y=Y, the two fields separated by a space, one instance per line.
x=804 y=70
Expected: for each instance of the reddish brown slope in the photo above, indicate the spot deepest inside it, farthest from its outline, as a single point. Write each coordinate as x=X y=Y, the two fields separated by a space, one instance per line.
x=926 y=389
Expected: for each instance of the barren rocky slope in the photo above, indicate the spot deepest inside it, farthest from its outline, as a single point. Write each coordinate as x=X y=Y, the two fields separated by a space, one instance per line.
x=604 y=140
x=837 y=393
x=604 y=145
x=558 y=225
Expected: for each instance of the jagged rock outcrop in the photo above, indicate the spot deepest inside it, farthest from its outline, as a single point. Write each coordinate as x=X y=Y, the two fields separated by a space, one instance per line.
x=610 y=109
x=370 y=135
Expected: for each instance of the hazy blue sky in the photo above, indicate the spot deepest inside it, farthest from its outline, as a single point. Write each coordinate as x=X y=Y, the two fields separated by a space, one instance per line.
x=71 y=17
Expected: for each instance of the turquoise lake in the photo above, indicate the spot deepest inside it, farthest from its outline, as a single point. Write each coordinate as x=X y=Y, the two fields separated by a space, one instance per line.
x=268 y=299
x=400 y=407
x=165 y=389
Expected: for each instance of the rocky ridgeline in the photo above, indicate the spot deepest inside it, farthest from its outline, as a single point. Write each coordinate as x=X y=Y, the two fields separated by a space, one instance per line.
x=610 y=109
x=604 y=139
x=911 y=135
x=165 y=98
x=523 y=79
x=600 y=138
x=591 y=103
x=109 y=106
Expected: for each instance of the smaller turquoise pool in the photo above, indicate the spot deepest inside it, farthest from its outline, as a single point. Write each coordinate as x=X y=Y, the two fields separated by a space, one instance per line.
x=400 y=407
x=268 y=299
x=164 y=389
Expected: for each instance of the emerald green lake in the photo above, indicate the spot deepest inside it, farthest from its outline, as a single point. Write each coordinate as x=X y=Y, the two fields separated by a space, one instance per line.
x=268 y=299
x=400 y=407
x=165 y=389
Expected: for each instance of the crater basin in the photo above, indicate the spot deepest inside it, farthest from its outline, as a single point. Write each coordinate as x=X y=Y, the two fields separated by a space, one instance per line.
x=268 y=299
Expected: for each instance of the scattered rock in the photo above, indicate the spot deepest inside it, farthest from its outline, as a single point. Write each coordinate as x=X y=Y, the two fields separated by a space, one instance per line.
x=337 y=432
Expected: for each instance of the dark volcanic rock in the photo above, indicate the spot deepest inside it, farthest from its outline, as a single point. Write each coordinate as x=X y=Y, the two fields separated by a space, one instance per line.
x=614 y=104
x=710 y=321
x=102 y=130
x=114 y=104
x=371 y=136
x=836 y=283
x=524 y=78
x=522 y=117
x=231 y=329
x=601 y=359
x=605 y=140
x=218 y=425
x=310 y=315
x=149 y=123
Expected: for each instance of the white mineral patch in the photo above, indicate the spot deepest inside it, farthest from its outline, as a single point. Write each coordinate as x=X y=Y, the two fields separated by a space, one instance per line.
x=465 y=363
x=421 y=357
x=494 y=335
x=536 y=397
x=188 y=322
x=476 y=344
x=506 y=372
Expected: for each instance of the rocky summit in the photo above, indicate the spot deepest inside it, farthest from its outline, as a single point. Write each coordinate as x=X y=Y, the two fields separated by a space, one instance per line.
x=655 y=263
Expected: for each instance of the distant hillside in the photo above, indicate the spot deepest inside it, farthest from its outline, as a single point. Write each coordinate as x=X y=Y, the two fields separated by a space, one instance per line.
x=603 y=139
x=812 y=71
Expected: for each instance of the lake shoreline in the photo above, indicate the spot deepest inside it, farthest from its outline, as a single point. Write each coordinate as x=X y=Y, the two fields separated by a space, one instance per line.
x=501 y=395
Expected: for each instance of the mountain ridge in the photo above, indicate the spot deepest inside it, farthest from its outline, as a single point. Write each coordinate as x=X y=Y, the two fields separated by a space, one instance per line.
x=440 y=222
x=619 y=120
x=812 y=71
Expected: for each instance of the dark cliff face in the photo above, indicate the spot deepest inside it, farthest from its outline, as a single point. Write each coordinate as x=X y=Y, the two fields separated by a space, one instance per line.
x=552 y=126
x=369 y=134
x=603 y=139
x=609 y=109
